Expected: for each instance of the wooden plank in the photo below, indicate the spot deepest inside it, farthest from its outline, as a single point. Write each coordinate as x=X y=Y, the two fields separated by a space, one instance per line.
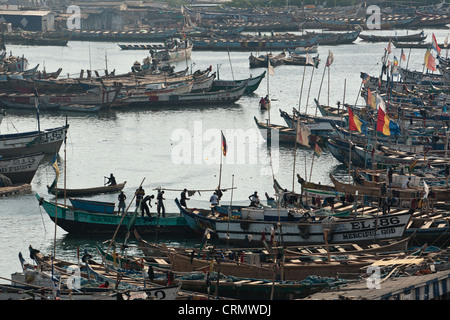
x=427 y=225
x=161 y=261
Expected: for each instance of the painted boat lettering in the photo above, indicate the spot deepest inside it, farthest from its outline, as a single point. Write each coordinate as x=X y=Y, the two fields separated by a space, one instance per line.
x=382 y=222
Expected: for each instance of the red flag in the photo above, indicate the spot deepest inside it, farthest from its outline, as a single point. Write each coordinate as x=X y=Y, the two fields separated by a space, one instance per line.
x=403 y=57
x=434 y=45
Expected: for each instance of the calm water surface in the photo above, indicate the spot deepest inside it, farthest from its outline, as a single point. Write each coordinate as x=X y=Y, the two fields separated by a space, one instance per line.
x=138 y=145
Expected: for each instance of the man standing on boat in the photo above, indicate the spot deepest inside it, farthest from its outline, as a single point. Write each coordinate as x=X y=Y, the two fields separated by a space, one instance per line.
x=214 y=200
x=122 y=197
x=145 y=207
x=160 y=205
x=183 y=198
x=139 y=195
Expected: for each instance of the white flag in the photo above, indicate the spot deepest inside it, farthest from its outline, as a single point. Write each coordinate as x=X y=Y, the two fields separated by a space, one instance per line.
x=270 y=67
x=426 y=190
x=309 y=60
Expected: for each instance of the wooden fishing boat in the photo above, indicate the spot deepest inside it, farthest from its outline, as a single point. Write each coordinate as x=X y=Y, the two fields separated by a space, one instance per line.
x=93 y=206
x=304 y=50
x=82 y=222
x=262 y=61
x=129 y=281
x=21 y=169
x=374 y=190
x=311 y=189
x=242 y=288
x=414 y=45
x=48 y=141
x=252 y=83
x=416 y=37
x=68 y=192
x=297 y=60
x=201 y=98
x=250 y=232
x=254 y=44
x=57 y=101
x=250 y=265
x=174 y=50
x=155 y=91
x=203 y=85
x=336 y=38
x=288 y=135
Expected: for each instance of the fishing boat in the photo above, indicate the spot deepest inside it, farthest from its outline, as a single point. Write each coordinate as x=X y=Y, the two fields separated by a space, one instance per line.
x=47 y=141
x=204 y=84
x=251 y=288
x=76 y=221
x=298 y=60
x=68 y=192
x=251 y=264
x=57 y=101
x=288 y=135
x=311 y=189
x=127 y=280
x=262 y=60
x=253 y=44
x=250 y=232
x=417 y=37
x=155 y=91
x=93 y=206
x=336 y=38
x=200 y=98
x=174 y=50
x=252 y=83
x=21 y=169
x=304 y=50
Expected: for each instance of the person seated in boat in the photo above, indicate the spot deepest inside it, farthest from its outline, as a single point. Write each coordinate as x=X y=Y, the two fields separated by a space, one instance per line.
x=122 y=197
x=146 y=202
x=111 y=180
x=406 y=183
x=104 y=285
x=183 y=198
x=254 y=199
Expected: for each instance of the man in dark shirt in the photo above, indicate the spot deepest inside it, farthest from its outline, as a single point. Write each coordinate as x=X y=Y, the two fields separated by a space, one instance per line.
x=160 y=206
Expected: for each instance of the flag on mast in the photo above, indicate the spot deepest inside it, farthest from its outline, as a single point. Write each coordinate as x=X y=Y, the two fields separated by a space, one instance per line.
x=330 y=58
x=303 y=133
x=224 y=144
x=430 y=61
x=434 y=45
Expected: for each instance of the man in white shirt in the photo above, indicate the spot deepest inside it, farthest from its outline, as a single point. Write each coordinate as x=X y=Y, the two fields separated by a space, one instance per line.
x=405 y=184
x=214 y=200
